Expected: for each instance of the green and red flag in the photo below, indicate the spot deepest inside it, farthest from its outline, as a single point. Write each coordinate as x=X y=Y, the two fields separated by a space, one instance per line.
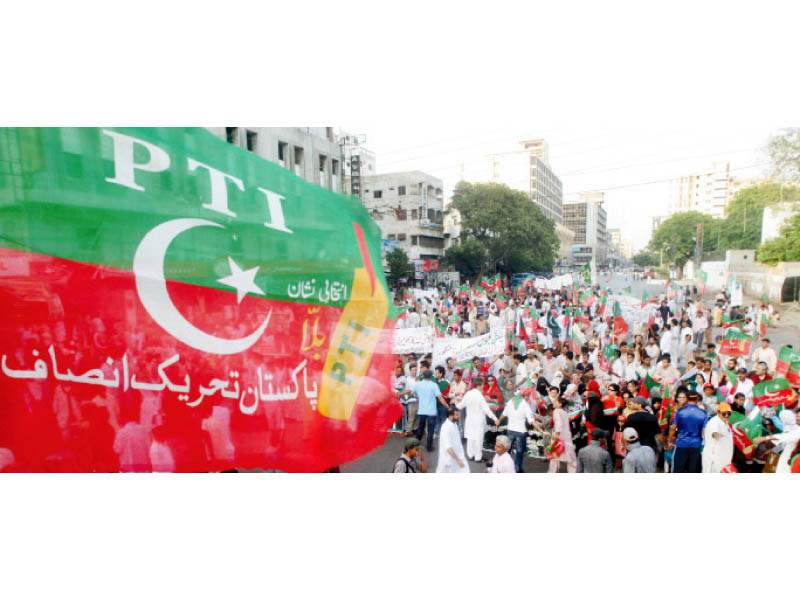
x=728 y=322
x=702 y=279
x=772 y=392
x=578 y=339
x=786 y=356
x=735 y=343
x=587 y=298
x=606 y=357
x=762 y=326
x=441 y=328
x=645 y=298
x=620 y=326
x=173 y=302
x=648 y=383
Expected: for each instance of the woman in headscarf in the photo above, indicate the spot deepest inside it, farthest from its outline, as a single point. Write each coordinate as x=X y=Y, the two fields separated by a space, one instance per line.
x=788 y=439
x=493 y=393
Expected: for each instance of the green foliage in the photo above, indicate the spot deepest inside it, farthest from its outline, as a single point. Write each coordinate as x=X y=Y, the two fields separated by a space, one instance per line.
x=784 y=151
x=645 y=259
x=676 y=237
x=398 y=263
x=784 y=248
x=512 y=230
x=741 y=229
x=467 y=257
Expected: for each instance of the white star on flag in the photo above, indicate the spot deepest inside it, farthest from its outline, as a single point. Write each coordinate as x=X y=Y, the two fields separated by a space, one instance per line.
x=242 y=281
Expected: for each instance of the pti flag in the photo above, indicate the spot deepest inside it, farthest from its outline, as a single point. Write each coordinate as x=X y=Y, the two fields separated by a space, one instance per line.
x=735 y=343
x=787 y=356
x=772 y=392
x=620 y=326
x=578 y=339
x=172 y=302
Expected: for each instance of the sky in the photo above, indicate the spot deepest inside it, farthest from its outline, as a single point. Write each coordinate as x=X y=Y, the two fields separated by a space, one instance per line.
x=615 y=159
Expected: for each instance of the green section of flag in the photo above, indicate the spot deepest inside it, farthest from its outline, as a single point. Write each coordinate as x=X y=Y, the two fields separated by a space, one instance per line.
x=56 y=199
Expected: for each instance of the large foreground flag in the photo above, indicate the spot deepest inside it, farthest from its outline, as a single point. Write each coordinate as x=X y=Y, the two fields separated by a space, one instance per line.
x=174 y=303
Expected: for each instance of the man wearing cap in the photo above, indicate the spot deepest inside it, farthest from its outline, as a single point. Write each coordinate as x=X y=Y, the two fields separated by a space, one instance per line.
x=639 y=459
x=477 y=410
x=594 y=458
x=412 y=460
x=428 y=394
x=502 y=462
x=718 y=441
x=644 y=422
x=532 y=364
x=689 y=423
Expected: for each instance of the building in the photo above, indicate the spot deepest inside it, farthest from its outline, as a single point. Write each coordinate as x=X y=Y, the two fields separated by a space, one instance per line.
x=587 y=218
x=775 y=217
x=546 y=189
x=408 y=208
x=365 y=160
x=312 y=153
x=707 y=192
x=656 y=223
x=452 y=226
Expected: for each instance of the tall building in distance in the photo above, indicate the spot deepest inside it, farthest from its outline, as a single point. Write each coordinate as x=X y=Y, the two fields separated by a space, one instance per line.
x=545 y=187
x=312 y=153
x=408 y=208
x=587 y=218
x=707 y=192
x=529 y=171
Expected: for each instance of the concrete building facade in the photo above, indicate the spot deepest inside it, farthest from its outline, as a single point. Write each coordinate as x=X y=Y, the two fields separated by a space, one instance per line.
x=587 y=218
x=707 y=192
x=408 y=208
x=312 y=153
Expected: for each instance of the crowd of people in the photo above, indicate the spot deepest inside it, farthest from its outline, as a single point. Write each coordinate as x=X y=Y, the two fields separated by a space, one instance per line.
x=653 y=396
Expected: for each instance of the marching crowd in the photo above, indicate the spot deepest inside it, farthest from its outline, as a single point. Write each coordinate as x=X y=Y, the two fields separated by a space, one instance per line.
x=642 y=397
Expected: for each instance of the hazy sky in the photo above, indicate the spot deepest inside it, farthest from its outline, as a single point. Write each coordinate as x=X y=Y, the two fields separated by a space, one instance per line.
x=586 y=159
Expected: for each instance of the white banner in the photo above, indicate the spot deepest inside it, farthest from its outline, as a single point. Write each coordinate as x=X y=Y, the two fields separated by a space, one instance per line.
x=415 y=340
x=737 y=298
x=431 y=295
x=490 y=344
x=540 y=283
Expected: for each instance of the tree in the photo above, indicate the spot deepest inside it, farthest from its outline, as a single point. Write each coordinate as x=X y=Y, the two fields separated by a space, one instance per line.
x=676 y=237
x=741 y=228
x=785 y=247
x=784 y=151
x=398 y=263
x=512 y=230
x=645 y=259
x=467 y=257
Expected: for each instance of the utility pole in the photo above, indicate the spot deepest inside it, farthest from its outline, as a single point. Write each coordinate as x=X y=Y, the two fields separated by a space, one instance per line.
x=698 y=249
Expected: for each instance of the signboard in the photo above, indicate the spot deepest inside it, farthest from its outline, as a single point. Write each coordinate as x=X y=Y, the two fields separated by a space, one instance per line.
x=463 y=349
x=415 y=340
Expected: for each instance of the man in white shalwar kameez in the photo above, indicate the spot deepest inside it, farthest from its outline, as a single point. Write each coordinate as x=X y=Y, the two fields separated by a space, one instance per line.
x=475 y=422
x=718 y=441
x=451 y=452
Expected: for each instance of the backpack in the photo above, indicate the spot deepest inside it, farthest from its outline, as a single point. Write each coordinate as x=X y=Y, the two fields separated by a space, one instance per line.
x=409 y=467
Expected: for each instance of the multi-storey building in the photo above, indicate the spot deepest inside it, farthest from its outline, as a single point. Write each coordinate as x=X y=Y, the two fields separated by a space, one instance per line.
x=706 y=192
x=586 y=217
x=312 y=153
x=408 y=208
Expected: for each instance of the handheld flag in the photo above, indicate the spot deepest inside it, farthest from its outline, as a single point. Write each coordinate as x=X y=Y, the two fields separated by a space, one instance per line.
x=736 y=343
x=772 y=392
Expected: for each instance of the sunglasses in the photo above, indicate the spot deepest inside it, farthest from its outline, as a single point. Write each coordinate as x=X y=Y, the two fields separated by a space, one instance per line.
x=725 y=414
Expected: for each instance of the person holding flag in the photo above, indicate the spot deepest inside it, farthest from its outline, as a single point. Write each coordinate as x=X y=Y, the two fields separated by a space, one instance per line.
x=788 y=439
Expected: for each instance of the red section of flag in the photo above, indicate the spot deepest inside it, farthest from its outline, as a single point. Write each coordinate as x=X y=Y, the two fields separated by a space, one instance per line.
x=66 y=345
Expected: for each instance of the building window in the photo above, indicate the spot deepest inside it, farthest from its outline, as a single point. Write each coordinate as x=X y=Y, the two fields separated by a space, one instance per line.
x=413 y=213
x=431 y=214
x=401 y=237
x=298 y=161
x=283 y=148
x=414 y=240
x=401 y=190
x=323 y=163
x=230 y=135
x=251 y=140
x=377 y=194
x=391 y=236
